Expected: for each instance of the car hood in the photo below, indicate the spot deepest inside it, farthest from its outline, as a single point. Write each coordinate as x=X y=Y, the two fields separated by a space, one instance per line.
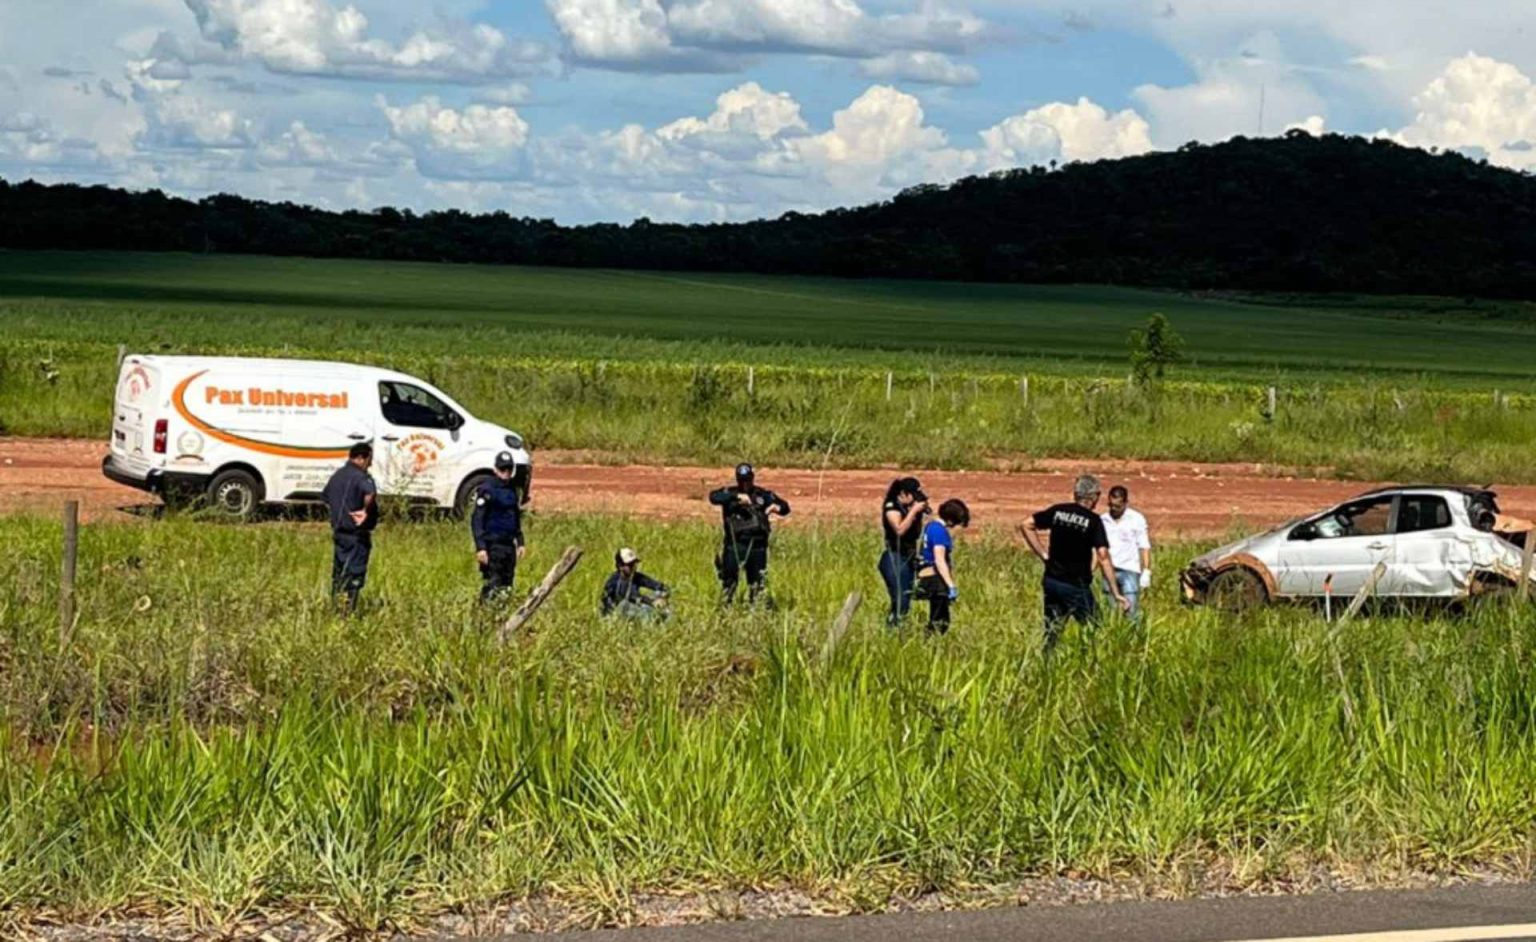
x=1260 y=545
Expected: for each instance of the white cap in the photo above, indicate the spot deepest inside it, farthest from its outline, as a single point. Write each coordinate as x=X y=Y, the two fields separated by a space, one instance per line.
x=626 y=557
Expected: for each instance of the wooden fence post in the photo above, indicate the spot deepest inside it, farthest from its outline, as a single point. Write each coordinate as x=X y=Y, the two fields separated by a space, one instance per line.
x=751 y=379
x=1024 y=389
x=932 y=384
x=1271 y=413
x=67 y=573
x=545 y=589
x=1366 y=591
x=888 y=379
x=841 y=622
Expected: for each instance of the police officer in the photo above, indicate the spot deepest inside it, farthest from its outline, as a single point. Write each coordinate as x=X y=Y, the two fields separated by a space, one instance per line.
x=352 y=498
x=745 y=510
x=497 y=525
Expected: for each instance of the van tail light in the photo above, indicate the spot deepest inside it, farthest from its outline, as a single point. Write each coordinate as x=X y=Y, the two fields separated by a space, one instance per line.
x=161 y=434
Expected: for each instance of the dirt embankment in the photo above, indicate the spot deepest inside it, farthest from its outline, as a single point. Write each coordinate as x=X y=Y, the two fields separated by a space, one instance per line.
x=1182 y=500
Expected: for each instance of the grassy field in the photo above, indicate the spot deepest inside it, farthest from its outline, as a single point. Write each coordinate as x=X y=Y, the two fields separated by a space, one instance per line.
x=210 y=741
x=654 y=367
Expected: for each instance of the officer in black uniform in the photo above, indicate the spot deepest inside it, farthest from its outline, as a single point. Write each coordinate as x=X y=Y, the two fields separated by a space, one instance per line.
x=746 y=510
x=497 y=525
x=352 y=499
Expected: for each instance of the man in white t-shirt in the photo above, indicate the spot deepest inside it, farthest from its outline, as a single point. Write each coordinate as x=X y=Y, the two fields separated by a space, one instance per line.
x=1130 y=548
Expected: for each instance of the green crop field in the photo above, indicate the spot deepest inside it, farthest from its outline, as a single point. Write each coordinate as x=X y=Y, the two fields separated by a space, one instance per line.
x=209 y=741
x=655 y=367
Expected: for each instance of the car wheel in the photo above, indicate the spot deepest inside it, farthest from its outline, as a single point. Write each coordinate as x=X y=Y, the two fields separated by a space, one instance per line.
x=234 y=495
x=464 y=503
x=1236 y=590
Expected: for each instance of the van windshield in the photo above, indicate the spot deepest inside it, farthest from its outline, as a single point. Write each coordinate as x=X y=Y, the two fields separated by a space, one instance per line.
x=414 y=407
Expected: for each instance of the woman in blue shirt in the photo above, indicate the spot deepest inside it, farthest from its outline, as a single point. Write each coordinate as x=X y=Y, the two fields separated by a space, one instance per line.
x=901 y=520
x=936 y=563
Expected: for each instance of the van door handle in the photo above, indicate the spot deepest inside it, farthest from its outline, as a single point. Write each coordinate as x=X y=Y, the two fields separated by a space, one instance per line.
x=358 y=437
x=390 y=438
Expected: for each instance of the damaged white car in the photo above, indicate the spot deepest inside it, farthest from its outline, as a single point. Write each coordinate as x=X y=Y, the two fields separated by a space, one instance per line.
x=1431 y=542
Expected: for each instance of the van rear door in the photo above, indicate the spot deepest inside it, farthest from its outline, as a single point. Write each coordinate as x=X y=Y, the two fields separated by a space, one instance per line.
x=136 y=408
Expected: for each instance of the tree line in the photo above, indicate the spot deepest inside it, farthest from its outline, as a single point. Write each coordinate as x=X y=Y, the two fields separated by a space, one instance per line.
x=1297 y=213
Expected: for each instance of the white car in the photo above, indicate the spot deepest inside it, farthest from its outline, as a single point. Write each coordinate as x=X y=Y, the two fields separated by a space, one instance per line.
x=241 y=433
x=1432 y=542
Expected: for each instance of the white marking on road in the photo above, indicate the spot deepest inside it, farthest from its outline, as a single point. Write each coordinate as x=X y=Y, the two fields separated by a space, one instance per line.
x=1525 y=930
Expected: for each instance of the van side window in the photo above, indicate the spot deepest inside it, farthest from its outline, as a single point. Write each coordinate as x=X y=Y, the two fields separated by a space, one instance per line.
x=413 y=407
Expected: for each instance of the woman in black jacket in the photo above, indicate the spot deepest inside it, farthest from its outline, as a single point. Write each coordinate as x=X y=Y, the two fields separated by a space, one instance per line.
x=901 y=520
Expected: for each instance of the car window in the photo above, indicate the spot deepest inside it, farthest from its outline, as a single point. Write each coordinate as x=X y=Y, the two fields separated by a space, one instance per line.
x=413 y=407
x=1419 y=512
x=1369 y=517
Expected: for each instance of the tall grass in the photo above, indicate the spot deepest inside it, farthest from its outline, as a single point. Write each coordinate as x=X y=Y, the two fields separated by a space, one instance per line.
x=663 y=410
x=210 y=740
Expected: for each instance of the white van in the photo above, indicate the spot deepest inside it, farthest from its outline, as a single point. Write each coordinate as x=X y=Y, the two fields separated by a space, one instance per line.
x=241 y=433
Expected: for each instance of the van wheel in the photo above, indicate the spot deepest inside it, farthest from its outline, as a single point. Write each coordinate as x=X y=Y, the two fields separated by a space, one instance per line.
x=234 y=494
x=464 y=503
x=1236 y=590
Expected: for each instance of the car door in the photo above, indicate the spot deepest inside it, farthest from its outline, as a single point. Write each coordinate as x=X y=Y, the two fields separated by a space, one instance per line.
x=1431 y=558
x=1343 y=546
x=414 y=439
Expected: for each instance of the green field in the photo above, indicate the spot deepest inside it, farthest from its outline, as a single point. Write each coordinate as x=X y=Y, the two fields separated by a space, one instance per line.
x=654 y=367
x=210 y=741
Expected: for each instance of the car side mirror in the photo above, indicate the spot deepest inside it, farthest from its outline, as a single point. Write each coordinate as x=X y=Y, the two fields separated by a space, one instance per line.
x=455 y=421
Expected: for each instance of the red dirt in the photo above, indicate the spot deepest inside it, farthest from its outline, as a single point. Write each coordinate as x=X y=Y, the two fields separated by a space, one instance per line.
x=1179 y=498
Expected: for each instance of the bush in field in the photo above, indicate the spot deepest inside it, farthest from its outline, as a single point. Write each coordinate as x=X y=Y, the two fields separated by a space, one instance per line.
x=1154 y=349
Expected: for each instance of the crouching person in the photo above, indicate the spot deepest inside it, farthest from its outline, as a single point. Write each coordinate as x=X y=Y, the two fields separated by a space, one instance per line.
x=630 y=593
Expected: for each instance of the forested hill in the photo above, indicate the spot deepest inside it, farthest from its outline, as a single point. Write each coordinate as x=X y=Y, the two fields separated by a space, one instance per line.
x=1297 y=213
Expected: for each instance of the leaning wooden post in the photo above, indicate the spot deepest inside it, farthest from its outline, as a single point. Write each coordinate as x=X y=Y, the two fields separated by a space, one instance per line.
x=67 y=573
x=841 y=622
x=1527 y=557
x=545 y=589
x=1366 y=591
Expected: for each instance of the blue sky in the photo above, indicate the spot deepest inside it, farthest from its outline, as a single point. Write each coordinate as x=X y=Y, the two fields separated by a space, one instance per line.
x=585 y=110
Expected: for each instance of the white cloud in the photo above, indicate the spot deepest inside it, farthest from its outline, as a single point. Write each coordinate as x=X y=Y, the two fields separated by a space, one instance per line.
x=188 y=122
x=1061 y=131
x=314 y=37
x=932 y=68
x=470 y=143
x=1232 y=97
x=298 y=146
x=718 y=34
x=1313 y=125
x=745 y=120
x=1478 y=102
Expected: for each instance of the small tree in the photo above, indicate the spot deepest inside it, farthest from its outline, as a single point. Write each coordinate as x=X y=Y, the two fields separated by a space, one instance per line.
x=1154 y=348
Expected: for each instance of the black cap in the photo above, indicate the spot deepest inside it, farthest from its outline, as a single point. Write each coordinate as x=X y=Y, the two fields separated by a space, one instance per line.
x=743 y=470
x=505 y=462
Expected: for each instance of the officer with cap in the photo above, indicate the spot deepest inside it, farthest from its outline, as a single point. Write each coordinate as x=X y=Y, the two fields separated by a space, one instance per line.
x=746 y=510
x=497 y=525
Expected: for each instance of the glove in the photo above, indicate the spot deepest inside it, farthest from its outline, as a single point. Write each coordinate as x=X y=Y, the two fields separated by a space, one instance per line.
x=1146 y=578
x=954 y=592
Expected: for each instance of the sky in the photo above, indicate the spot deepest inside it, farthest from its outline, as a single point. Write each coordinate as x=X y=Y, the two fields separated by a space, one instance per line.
x=705 y=110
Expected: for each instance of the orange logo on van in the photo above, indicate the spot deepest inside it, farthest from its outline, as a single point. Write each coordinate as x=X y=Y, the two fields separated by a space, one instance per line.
x=422 y=451
x=179 y=401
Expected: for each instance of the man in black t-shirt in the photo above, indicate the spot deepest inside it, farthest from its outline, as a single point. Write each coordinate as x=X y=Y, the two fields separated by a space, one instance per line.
x=1079 y=544
x=352 y=498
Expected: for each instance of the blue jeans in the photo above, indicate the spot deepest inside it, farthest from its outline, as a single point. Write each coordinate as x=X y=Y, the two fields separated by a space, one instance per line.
x=1130 y=587
x=899 y=577
x=1064 y=600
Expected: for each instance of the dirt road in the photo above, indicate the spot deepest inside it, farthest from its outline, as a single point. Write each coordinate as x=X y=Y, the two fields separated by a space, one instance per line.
x=1181 y=499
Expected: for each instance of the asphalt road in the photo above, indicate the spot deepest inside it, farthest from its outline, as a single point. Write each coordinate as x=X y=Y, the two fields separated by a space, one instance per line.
x=1462 y=914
